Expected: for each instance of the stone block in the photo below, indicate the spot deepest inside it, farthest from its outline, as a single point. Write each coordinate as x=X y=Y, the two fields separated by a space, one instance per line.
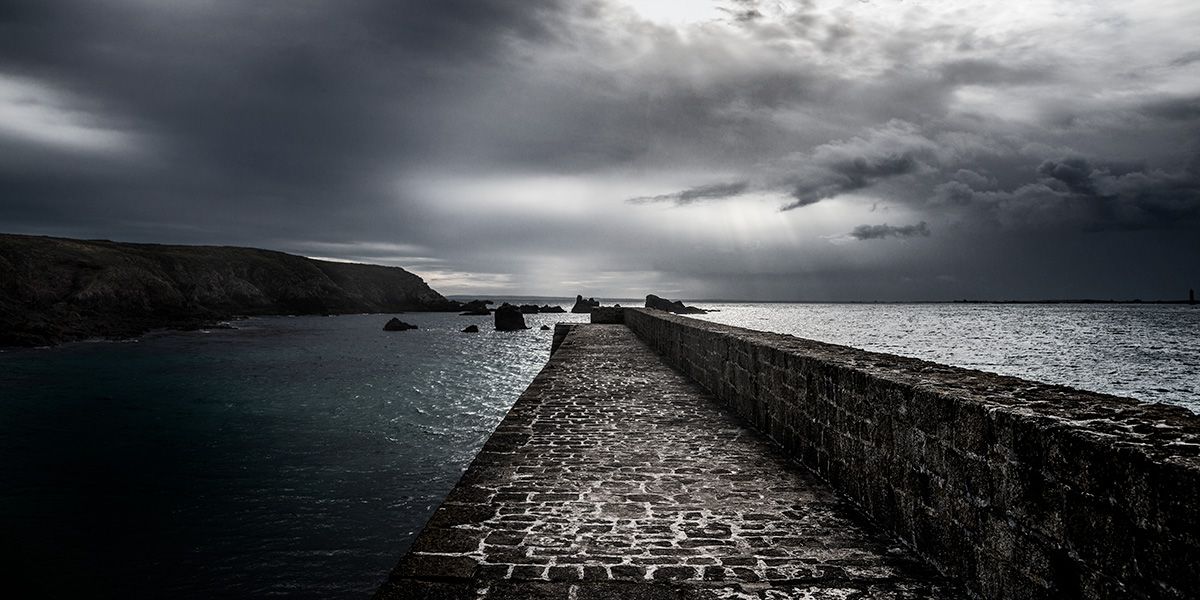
x=608 y=315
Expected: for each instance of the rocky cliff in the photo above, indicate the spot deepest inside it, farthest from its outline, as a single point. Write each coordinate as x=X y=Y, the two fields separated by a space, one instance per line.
x=54 y=290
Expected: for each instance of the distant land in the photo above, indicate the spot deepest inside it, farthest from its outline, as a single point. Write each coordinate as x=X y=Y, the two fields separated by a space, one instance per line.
x=1190 y=300
x=54 y=290
x=1077 y=301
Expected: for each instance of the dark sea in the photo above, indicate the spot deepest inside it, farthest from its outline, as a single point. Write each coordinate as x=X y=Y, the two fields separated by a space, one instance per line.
x=298 y=456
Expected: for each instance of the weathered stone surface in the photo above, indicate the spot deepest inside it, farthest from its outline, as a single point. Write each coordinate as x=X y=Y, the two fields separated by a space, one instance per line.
x=614 y=476
x=395 y=324
x=608 y=315
x=560 y=333
x=1021 y=489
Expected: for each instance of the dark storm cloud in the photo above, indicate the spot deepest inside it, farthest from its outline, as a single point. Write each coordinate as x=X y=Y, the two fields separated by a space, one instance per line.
x=1174 y=109
x=266 y=114
x=848 y=176
x=713 y=191
x=894 y=150
x=879 y=232
x=484 y=136
x=1074 y=194
x=1073 y=173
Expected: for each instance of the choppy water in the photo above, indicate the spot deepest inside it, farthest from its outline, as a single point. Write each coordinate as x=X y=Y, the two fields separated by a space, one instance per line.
x=291 y=457
x=297 y=456
x=1149 y=352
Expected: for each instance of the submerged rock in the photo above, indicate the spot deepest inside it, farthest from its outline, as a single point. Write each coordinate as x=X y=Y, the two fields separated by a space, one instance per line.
x=509 y=318
x=528 y=309
x=397 y=325
x=676 y=306
x=545 y=328
x=584 y=306
x=471 y=329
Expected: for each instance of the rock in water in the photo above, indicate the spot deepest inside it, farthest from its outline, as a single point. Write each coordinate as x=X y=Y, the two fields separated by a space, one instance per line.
x=471 y=329
x=476 y=307
x=397 y=325
x=546 y=308
x=509 y=318
x=677 y=306
x=584 y=306
x=545 y=328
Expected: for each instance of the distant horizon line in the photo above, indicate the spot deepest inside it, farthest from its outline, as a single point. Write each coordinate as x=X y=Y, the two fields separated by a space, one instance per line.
x=617 y=298
x=744 y=301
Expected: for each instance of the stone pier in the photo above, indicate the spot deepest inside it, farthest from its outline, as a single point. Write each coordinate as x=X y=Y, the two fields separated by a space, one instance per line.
x=614 y=476
x=658 y=456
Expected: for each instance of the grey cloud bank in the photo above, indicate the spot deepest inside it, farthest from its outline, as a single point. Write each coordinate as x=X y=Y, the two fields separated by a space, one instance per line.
x=879 y=232
x=715 y=150
x=713 y=191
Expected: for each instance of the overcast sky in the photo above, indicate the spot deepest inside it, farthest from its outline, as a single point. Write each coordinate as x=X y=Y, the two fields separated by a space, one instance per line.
x=806 y=150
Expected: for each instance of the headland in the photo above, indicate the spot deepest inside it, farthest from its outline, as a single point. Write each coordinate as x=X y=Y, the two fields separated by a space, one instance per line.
x=54 y=289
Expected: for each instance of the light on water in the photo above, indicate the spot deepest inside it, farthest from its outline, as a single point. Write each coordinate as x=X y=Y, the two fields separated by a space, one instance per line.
x=298 y=456
x=1145 y=351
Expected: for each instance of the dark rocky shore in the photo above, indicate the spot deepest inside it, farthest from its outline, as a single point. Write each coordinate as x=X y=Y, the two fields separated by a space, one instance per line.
x=54 y=290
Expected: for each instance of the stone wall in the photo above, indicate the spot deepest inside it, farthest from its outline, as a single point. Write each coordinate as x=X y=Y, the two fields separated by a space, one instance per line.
x=561 y=330
x=1019 y=489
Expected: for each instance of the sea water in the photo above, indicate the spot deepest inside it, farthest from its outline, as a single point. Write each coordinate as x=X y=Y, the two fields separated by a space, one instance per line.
x=298 y=456
x=1146 y=351
x=290 y=457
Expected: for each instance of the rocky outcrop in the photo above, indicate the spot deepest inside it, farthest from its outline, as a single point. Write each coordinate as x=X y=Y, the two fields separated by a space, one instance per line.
x=544 y=328
x=509 y=318
x=583 y=306
x=529 y=309
x=397 y=325
x=546 y=308
x=471 y=329
x=54 y=290
x=476 y=308
x=677 y=306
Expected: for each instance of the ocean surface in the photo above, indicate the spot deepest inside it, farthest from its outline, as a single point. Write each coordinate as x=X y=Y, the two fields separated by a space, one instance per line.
x=1146 y=351
x=298 y=456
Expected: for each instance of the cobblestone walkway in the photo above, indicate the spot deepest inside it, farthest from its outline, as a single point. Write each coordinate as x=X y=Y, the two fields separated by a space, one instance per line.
x=615 y=477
